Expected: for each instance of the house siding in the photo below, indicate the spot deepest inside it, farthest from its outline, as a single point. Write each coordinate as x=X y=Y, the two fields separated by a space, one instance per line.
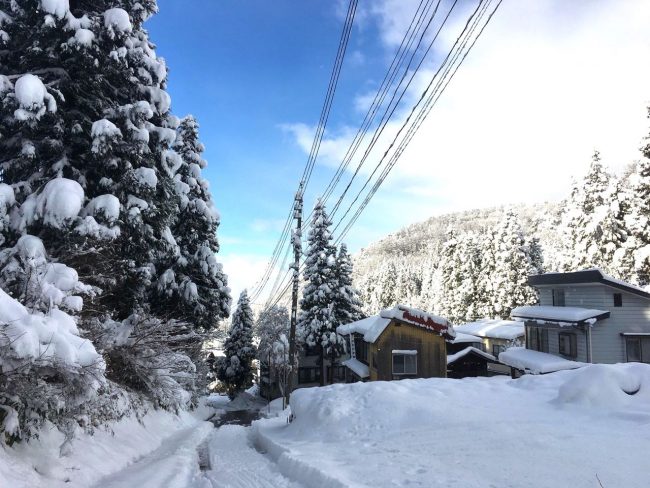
x=431 y=348
x=608 y=346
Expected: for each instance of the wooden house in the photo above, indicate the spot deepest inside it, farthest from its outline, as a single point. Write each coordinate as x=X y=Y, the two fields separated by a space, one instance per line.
x=583 y=317
x=397 y=343
x=466 y=357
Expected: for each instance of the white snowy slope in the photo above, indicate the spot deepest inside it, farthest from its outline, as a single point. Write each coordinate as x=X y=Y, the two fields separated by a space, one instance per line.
x=536 y=362
x=568 y=428
x=37 y=463
x=175 y=464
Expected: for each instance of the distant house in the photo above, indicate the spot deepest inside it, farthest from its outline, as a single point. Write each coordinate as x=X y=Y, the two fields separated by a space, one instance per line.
x=397 y=343
x=583 y=317
x=309 y=369
x=469 y=362
x=495 y=336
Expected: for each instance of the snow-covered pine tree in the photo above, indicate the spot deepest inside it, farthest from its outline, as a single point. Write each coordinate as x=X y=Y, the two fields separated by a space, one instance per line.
x=592 y=221
x=235 y=369
x=470 y=292
x=347 y=305
x=194 y=288
x=637 y=250
x=513 y=266
x=90 y=109
x=316 y=324
x=448 y=298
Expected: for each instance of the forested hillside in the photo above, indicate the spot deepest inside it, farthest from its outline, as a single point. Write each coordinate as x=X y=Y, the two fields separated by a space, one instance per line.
x=474 y=264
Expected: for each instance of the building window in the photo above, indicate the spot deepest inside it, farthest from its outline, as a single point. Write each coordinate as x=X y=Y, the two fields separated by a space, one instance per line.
x=339 y=373
x=558 y=297
x=361 y=349
x=405 y=363
x=497 y=349
x=618 y=300
x=311 y=351
x=308 y=375
x=537 y=338
x=568 y=344
x=633 y=350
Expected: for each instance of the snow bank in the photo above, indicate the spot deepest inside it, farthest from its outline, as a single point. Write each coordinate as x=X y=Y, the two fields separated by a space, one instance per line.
x=493 y=329
x=561 y=315
x=360 y=369
x=36 y=463
x=536 y=362
x=370 y=327
x=551 y=430
x=464 y=338
x=452 y=358
x=605 y=386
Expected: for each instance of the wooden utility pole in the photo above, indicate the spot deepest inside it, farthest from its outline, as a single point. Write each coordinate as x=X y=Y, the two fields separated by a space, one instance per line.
x=297 y=251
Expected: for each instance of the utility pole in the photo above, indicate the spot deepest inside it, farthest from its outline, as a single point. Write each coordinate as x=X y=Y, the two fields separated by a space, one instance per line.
x=297 y=251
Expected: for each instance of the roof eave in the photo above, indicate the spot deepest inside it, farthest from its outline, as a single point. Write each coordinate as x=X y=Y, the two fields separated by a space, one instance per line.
x=602 y=316
x=582 y=278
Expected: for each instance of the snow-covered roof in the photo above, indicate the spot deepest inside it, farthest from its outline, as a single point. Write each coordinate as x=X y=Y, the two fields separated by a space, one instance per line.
x=536 y=362
x=493 y=329
x=372 y=327
x=360 y=369
x=586 y=276
x=462 y=337
x=559 y=315
x=469 y=350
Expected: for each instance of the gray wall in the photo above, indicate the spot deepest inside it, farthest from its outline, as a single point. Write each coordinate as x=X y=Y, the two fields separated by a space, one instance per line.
x=608 y=346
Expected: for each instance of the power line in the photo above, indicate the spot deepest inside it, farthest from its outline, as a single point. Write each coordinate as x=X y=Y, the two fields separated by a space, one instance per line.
x=431 y=100
x=309 y=166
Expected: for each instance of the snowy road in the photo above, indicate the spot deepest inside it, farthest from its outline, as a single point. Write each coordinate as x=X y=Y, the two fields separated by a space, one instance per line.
x=236 y=464
x=177 y=463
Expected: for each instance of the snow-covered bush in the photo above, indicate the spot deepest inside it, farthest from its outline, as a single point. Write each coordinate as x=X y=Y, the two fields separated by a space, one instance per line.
x=47 y=370
x=272 y=328
x=153 y=356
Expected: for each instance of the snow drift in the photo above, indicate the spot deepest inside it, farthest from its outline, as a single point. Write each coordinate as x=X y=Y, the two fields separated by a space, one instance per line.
x=538 y=431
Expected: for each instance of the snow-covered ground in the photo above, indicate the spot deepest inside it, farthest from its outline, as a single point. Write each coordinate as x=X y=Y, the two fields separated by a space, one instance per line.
x=570 y=428
x=92 y=458
x=573 y=428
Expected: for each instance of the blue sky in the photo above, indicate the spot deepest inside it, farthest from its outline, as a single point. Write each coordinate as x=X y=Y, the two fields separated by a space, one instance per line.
x=549 y=82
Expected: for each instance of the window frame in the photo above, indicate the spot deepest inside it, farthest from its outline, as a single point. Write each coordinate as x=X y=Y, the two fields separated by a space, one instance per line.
x=639 y=342
x=573 y=344
x=361 y=349
x=618 y=299
x=302 y=373
x=538 y=336
x=404 y=372
x=498 y=349
x=559 y=297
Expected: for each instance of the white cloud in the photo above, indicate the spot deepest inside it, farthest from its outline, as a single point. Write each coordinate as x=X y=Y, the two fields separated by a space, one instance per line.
x=549 y=82
x=242 y=270
x=262 y=226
